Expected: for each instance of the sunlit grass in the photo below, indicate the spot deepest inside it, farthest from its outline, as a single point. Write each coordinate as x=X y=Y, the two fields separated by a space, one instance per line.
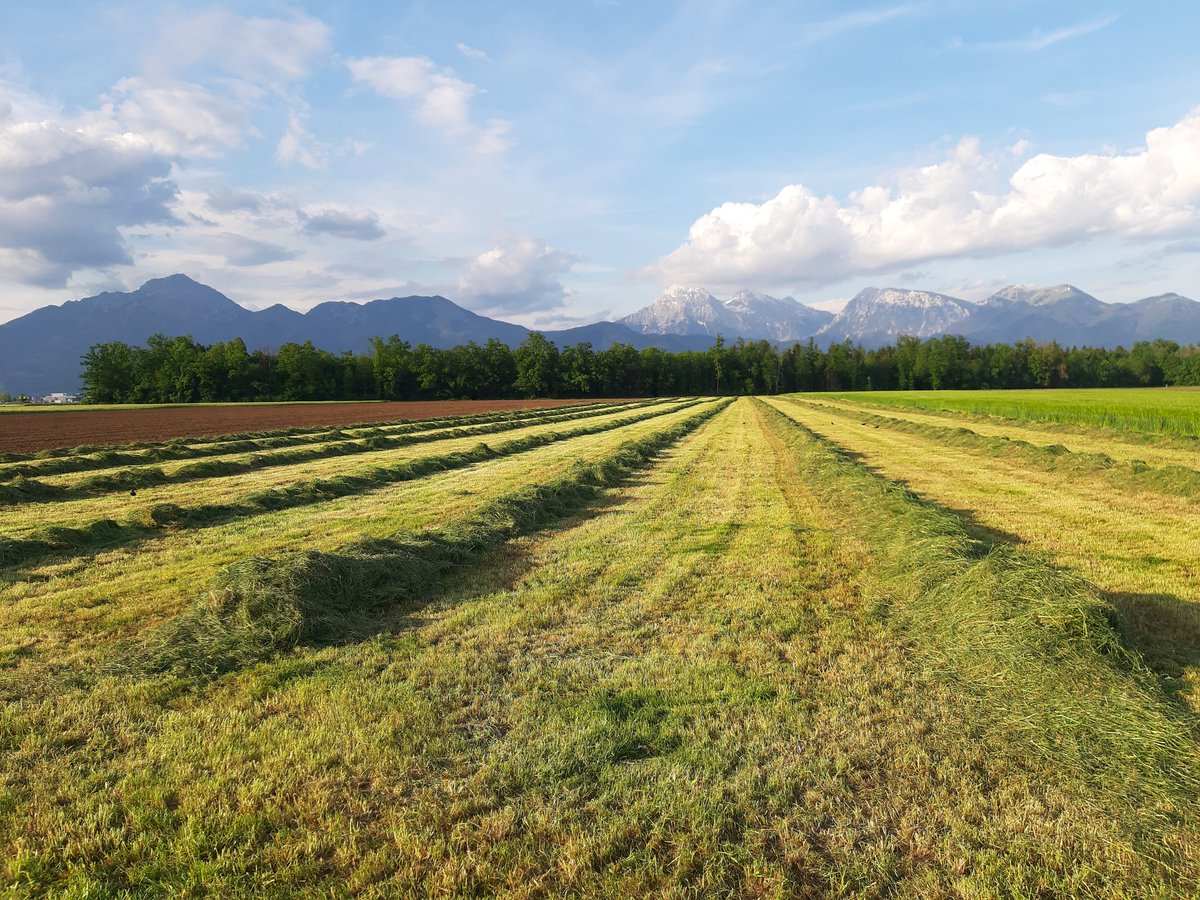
x=1167 y=411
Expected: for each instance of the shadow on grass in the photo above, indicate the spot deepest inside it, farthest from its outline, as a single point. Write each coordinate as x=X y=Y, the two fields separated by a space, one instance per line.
x=1164 y=629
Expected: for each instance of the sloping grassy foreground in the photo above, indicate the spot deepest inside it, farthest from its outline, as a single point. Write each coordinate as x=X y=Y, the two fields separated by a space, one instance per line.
x=757 y=670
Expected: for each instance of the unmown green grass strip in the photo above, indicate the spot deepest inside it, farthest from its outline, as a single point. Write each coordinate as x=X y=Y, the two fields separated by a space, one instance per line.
x=1179 y=481
x=109 y=533
x=31 y=490
x=1181 y=431
x=83 y=459
x=1034 y=646
x=261 y=606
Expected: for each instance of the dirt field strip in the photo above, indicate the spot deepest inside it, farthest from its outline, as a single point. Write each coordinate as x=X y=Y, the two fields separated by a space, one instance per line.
x=1139 y=548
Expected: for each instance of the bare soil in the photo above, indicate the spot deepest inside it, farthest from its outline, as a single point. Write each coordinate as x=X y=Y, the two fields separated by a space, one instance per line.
x=30 y=432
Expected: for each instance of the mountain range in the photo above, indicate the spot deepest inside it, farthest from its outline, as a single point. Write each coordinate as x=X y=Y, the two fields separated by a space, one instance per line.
x=40 y=352
x=877 y=316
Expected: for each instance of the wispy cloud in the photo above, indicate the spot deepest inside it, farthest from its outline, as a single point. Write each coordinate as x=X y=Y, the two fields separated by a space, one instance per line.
x=817 y=32
x=470 y=52
x=1038 y=39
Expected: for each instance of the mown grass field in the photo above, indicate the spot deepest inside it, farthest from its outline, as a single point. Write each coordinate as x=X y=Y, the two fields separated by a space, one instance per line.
x=819 y=645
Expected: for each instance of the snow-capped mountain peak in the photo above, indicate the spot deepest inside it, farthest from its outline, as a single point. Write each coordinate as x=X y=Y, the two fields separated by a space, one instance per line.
x=881 y=314
x=748 y=314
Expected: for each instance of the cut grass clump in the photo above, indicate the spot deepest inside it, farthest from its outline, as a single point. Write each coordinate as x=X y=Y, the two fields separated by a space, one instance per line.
x=1034 y=646
x=108 y=533
x=264 y=605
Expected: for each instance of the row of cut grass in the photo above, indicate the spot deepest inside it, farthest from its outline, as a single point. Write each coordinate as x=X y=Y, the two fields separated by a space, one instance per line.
x=1032 y=645
x=1176 y=480
x=83 y=459
x=69 y=487
x=82 y=526
x=56 y=608
x=1138 y=548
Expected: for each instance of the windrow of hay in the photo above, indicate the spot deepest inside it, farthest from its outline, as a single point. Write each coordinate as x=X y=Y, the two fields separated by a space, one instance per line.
x=1034 y=647
x=84 y=459
x=1175 y=480
x=264 y=605
x=30 y=490
x=108 y=533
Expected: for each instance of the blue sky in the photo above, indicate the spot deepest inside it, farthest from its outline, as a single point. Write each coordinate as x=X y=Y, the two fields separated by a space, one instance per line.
x=554 y=163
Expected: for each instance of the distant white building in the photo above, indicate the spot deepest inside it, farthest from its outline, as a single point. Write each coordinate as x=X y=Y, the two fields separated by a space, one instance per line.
x=59 y=397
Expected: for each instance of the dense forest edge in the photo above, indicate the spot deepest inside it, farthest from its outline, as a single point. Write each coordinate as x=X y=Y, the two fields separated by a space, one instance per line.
x=180 y=370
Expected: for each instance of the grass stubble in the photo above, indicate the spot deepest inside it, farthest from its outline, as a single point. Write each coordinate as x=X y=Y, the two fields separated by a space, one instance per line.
x=757 y=669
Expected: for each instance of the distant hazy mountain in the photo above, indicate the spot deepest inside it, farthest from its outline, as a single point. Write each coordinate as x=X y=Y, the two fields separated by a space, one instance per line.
x=1070 y=316
x=693 y=310
x=874 y=316
x=40 y=352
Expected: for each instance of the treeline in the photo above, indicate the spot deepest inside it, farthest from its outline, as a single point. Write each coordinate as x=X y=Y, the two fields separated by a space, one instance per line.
x=179 y=370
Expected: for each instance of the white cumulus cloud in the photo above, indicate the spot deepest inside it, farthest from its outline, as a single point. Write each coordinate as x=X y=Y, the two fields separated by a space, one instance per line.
x=520 y=274
x=963 y=206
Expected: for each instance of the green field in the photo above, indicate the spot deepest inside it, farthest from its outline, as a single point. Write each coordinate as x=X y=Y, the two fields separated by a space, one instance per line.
x=1157 y=411
x=865 y=645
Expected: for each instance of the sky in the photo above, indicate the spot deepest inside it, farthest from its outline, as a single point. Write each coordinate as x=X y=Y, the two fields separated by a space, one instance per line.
x=563 y=162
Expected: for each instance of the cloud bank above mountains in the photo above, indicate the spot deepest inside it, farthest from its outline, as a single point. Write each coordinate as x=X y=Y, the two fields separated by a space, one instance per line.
x=964 y=206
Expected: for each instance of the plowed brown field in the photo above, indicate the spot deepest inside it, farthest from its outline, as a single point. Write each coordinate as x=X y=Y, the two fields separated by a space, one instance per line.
x=33 y=431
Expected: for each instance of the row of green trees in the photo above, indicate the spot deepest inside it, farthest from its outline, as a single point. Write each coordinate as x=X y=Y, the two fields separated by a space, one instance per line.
x=179 y=370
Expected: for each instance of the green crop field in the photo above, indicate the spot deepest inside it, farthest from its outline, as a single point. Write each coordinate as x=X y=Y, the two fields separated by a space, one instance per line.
x=1174 y=411
x=867 y=645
